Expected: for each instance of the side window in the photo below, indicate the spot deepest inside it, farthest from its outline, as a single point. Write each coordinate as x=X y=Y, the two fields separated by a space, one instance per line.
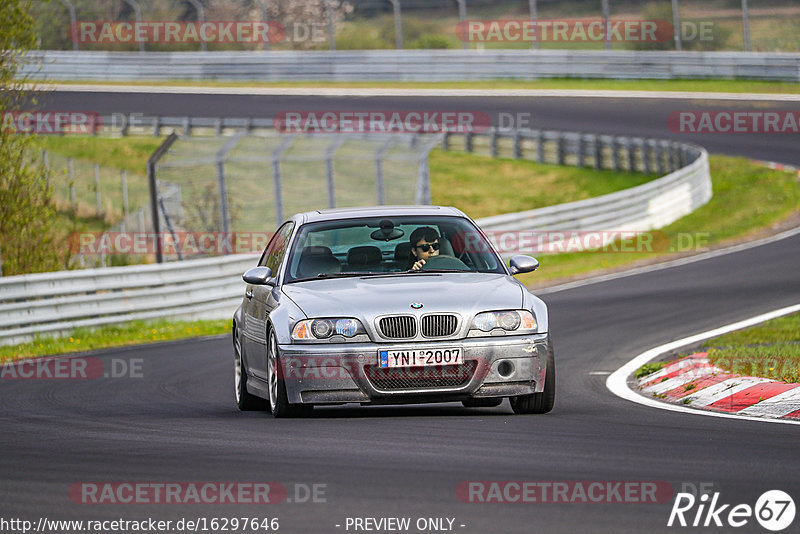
x=276 y=249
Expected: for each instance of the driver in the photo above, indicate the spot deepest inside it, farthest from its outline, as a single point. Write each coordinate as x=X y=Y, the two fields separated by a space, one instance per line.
x=424 y=245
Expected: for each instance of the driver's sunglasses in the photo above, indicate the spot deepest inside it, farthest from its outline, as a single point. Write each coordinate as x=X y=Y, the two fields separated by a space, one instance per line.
x=425 y=247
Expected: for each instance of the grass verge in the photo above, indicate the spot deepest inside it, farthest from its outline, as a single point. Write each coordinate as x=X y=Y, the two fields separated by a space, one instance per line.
x=752 y=198
x=710 y=86
x=133 y=333
x=770 y=350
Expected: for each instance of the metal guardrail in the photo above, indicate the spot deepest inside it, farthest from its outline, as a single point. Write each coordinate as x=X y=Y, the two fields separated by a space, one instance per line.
x=404 y=65
x=55 y=303
x=52 y=303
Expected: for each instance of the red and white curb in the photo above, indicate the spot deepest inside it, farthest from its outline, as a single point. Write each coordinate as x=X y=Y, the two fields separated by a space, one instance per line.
x=778 y=166
x=694 y=381
x=620 y=383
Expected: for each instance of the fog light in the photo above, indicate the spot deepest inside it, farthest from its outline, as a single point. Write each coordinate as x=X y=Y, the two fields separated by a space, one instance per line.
x=505 y=369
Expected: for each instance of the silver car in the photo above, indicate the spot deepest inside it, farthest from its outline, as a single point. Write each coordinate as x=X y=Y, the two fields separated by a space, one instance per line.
x=340 y=310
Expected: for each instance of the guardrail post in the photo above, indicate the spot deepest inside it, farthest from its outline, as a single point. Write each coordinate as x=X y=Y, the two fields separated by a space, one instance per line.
x=746 y=25
x=534 y=17
x=631 y=156
x=517 y=145
x=615 y=153
x=598 y=152
x=540 y=146
x=187 y=127
x=676 y=24
x=218 y=127
x=156 y=125
x=151 y=179
x=123 y=130
x=201 y=18
x=276 y=176
x=561 y=151
x=468 y=141
x=579 y=151
x=398 y=25
x=606 y=25
x=646 y=155
x=73 y=19
x=660 y=155
x=493 y=142
x=446 y=141
x=462 y=16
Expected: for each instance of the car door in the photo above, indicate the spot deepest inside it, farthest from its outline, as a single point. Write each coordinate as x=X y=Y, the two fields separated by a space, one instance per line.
x=260 y=300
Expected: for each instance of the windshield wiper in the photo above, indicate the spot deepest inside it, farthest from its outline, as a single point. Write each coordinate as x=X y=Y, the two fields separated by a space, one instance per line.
x=324 y=276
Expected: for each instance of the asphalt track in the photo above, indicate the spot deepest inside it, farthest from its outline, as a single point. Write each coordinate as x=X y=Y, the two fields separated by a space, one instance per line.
x=178 y=422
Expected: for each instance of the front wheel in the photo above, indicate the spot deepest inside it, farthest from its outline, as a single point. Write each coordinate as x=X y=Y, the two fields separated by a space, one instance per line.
x=278 y=401
x=244 y=400
x=539 y=402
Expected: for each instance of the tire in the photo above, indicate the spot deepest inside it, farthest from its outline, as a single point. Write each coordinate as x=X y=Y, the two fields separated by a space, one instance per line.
x=244 y=400
x=278 y=401
x=482 y=403
x=539 y=402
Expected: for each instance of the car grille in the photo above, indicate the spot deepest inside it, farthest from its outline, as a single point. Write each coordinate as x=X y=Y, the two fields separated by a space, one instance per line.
x=439 y=376
x=398 y=327
x=439 y=325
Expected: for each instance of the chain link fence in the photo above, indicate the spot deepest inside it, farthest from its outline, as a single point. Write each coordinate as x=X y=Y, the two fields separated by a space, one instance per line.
x=245 y=183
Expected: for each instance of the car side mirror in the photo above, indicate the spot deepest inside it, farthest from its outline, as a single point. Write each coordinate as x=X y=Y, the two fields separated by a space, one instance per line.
x=523 y=264
x=259 y=276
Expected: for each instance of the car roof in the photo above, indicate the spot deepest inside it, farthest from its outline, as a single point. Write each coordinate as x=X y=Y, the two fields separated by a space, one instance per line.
x=375 y=211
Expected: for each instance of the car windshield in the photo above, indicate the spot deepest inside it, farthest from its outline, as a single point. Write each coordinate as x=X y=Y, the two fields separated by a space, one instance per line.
x=380 y=245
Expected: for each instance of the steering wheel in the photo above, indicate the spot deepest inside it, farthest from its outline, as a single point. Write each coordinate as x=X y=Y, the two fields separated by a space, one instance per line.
x=444 y=262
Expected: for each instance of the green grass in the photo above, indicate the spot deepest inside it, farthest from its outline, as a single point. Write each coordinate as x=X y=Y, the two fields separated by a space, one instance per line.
x=649 y=368
x=130 y=153
x=133 y=333
x=769 y=350
x=750 y=196
x=482 y=186
x=711 y=86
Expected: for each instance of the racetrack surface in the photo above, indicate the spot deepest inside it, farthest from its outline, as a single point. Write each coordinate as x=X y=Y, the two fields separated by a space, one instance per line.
x=179 y=422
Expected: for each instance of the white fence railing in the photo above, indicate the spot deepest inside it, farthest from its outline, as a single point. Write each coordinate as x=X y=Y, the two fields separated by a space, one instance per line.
x=404 y=65
x=53 y=303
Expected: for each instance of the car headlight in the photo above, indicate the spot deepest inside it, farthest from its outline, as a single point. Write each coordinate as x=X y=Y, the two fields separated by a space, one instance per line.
x=507 y=320
x=312 y=329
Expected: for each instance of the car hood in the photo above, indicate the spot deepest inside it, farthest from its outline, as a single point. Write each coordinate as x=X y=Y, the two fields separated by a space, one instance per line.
x=368 y=297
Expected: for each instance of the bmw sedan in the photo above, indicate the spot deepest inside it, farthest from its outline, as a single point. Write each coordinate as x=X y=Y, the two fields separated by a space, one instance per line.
x=389 y=305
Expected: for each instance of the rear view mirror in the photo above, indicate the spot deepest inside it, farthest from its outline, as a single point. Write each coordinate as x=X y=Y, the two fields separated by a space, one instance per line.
x=259 y=276
x=523 y=264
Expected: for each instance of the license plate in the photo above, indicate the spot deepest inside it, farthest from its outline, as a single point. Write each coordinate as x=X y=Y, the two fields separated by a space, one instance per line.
x=420 y=357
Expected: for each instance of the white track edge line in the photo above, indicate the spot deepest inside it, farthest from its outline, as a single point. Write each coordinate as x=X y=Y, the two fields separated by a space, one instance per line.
x=617 y=382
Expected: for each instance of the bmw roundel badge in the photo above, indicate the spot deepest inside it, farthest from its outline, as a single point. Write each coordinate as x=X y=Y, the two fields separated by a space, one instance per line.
x=416 y=305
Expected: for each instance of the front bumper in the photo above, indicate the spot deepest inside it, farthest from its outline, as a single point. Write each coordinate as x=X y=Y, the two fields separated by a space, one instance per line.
x=501 y=366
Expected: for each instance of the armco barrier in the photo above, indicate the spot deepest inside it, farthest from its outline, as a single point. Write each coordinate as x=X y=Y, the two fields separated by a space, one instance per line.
x=53 y=303
x=419 y=65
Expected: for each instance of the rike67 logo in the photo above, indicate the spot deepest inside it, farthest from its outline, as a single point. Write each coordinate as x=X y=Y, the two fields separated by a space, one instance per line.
x=774 y=510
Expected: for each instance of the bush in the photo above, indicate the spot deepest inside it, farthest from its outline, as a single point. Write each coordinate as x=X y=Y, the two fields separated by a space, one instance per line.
x=430 y=42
